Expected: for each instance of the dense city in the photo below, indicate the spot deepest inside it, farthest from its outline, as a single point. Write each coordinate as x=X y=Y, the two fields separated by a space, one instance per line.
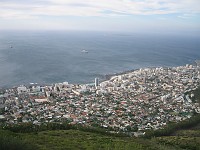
x=136 y=101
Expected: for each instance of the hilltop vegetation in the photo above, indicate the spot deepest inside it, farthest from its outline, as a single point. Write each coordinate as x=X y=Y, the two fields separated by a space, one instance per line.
x=12 y=141
x=81 y=140
x=67 y=139
x=74 y=139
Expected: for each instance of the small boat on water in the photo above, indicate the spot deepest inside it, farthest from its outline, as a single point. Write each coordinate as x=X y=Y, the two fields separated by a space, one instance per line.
x=84 y=51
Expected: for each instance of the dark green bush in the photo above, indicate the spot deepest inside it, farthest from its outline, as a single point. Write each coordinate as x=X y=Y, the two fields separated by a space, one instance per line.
x=11 y=142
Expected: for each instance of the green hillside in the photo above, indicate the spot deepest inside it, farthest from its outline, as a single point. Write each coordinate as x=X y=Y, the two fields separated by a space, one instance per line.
x=74 y=139
x=67 y=139
x=80 y=140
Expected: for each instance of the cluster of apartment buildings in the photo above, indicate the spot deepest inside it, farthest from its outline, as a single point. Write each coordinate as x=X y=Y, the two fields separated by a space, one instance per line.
x=136 y=101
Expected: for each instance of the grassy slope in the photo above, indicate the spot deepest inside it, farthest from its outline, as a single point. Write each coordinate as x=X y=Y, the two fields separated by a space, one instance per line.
x=74 y=139
x=11 y=141
x=183 y=139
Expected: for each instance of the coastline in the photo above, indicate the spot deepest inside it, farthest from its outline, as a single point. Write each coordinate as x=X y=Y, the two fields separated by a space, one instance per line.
x=102 y=78
x=109 y=76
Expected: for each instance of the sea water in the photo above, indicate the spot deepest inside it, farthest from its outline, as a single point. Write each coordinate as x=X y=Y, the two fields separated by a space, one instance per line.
x=47 y=57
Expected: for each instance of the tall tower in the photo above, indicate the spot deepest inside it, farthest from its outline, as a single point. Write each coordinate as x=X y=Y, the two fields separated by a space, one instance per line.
x=96 y=82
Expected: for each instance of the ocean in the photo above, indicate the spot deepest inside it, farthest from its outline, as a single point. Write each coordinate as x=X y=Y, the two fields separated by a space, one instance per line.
x=47 y=57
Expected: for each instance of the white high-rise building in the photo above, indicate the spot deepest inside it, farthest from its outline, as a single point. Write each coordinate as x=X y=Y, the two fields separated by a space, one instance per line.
x=96 y=82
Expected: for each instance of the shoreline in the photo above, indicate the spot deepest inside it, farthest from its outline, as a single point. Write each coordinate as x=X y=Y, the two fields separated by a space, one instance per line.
x=102 y=78
x=109 y=76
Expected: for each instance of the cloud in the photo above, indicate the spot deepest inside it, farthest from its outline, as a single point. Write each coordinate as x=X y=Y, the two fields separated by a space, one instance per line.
x=33 y=9
x=186 y=16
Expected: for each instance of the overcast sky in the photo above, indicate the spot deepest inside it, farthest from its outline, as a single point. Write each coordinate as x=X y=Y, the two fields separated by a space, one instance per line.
x=105 y=15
